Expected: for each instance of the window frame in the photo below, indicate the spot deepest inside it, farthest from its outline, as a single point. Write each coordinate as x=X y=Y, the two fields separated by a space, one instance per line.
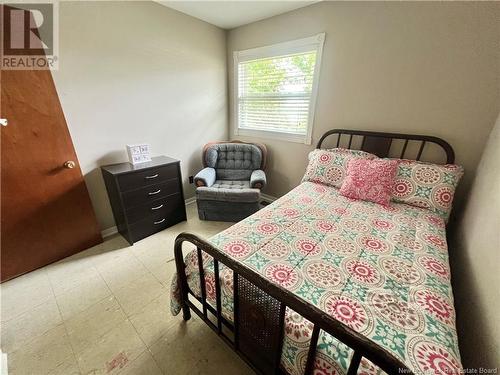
x=311 y=43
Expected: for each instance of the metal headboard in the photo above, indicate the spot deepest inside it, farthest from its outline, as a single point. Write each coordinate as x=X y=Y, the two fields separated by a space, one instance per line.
x=379 y=143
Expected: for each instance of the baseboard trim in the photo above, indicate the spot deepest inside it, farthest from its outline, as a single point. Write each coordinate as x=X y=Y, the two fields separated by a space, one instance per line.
x=108 y=232
x=268 y=197
x=190 y=201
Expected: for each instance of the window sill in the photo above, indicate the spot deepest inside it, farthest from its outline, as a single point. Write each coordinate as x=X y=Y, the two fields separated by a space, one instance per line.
x=297 y=138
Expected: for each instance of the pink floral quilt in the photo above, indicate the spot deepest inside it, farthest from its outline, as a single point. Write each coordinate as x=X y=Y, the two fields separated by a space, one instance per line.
x=383 y=271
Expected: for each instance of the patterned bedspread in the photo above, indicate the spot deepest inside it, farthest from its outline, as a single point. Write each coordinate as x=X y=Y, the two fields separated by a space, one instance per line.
x=383 y=271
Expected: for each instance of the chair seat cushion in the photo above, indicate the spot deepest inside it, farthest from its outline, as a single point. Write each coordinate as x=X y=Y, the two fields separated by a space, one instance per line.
x=229 y=191
x=229 y=184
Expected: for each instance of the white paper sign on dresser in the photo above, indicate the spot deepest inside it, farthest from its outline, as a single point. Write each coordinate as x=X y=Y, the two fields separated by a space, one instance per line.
x=139 y=153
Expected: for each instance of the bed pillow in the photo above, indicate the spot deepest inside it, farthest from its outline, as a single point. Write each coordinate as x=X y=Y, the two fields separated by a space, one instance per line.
x=329 y=167
x=370 y=180
x=427 y=185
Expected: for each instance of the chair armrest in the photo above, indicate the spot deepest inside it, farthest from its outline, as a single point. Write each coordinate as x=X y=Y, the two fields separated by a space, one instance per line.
x=258 y=179
x=205 y=177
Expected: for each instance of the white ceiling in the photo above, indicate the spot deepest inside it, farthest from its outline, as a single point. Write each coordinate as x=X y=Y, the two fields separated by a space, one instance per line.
x=230 y=14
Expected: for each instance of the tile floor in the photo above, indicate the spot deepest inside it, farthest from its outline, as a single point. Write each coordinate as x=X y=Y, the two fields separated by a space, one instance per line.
x=106 y=311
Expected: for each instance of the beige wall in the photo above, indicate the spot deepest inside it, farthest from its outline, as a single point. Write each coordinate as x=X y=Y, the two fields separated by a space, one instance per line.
x=476 y=263
x=134 y=72
x=427 y=68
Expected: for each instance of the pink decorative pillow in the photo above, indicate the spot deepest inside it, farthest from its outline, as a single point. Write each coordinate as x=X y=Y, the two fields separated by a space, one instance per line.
x=370 y=180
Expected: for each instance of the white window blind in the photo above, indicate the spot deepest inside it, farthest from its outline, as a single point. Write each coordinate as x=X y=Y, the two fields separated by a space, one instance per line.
x=276 y=89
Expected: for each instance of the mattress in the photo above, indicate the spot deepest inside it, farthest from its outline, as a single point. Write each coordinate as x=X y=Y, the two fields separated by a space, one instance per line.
x=383 y=271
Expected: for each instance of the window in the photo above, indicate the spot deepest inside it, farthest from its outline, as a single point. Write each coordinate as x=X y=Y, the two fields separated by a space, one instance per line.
x=276 y=88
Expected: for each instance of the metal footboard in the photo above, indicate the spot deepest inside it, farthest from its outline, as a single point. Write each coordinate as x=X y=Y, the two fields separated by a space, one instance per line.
x=256 y=333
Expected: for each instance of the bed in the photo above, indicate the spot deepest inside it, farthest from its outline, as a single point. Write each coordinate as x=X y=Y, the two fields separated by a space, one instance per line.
x=320 y=283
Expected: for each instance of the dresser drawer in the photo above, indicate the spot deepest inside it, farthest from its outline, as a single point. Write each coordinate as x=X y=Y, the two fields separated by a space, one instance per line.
x=159 y=208
x=151 y=225
x=150 y=193
x=135 y=180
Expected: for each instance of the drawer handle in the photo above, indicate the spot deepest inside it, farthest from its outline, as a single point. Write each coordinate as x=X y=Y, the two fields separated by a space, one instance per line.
x=159 y=222
x=154 y=192
x=151 y=177
x=157 y=207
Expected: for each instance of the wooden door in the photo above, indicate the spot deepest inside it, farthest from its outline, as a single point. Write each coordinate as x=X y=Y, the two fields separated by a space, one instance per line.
x=46 y=213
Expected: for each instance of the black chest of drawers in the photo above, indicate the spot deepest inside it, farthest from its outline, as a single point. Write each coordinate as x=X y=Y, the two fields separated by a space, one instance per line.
x=146 y=197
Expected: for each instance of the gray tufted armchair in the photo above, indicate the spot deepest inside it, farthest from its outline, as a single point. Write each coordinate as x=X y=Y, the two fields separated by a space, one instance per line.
x=228 y=188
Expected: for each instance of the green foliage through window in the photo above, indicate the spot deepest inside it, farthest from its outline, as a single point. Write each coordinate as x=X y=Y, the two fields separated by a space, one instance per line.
x=275 y=93
x=287 y=74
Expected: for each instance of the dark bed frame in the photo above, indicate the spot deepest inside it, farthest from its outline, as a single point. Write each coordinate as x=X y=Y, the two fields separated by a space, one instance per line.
x=257 y=331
